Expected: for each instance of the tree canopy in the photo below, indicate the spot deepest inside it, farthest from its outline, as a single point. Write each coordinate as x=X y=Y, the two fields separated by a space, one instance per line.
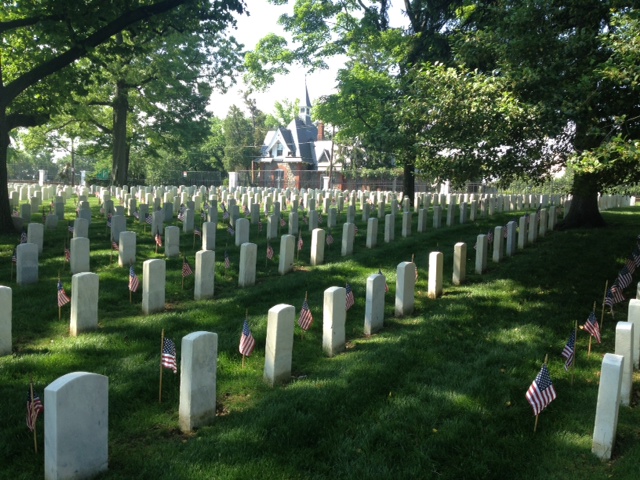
x=479 y=90
x=44 y=41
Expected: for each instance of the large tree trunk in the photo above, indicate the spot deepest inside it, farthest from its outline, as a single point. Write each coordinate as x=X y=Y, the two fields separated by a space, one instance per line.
x=584 y=211
x=6 y=222
x=120 y=161
x=409 y=181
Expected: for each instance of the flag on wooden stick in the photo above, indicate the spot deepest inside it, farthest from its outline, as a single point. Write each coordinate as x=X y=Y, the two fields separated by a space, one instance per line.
x=350 y=298
x=569 y=351
x=63 y=298
x=591 y=326
x=541 y=392
x=169 y=356
x=247 y=342
x=306 y=319
x=34 y=408
x=134 y=282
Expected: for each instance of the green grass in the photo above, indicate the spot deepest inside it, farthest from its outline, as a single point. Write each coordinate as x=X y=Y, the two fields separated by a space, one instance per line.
x=439 y=394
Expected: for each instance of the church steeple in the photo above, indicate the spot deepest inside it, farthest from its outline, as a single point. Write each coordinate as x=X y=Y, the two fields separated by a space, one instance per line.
x=305 y=106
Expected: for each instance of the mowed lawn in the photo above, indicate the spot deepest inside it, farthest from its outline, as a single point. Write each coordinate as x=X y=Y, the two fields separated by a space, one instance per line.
x=439 y=394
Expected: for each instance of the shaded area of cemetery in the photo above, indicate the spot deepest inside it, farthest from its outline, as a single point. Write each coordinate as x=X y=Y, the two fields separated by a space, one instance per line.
x=437 y=394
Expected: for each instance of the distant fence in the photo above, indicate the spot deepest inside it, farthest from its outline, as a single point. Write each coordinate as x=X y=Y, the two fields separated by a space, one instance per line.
x=315 y=179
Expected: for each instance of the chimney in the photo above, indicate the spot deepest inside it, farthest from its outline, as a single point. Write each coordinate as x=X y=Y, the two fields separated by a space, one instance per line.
x=320 y=131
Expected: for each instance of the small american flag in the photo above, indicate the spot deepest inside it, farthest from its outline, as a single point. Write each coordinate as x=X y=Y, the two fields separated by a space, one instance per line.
x=569 y=351
x=591 y=326
x=67 y=255
x=246 y=211
x=329 y=239
x=136 y=215
x=109 y=220
x=203 y=215
x=269 y=252
x=355 y=229
x=613 y=296
x=158 y=239
x=319 y=219
x=306 y=319
x=134 y=282
x=305 y=220
x=350 y=299
x=148 y=218
x=259 y=225
x=186 y=268
x=34 y=408
x=168 y=359
x=630 y=264
x=70 y=228
x=247 y=342
x=63 y=298
x=231 y=230
x=624 y=278
x=225 y=215
x=541 y=392
x=197 y=232
x=300 y=242
x=115 y=245
x=181 y=216
x=282 y=222
x=23 y=237
x=14 y=258
x=227 y=262
x=490 y=237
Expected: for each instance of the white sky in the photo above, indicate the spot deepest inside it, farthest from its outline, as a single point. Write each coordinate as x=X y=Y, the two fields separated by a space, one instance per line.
x=263 y=19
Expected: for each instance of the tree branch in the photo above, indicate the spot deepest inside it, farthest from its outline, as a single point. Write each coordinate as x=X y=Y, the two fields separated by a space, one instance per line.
x=33 y=76
x=15 y=120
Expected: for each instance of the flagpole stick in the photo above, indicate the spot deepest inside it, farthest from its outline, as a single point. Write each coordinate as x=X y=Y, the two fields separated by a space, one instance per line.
x=243 y=360
x=161 y=348
x=59 y=307
x=35 y=432
x=606 y=284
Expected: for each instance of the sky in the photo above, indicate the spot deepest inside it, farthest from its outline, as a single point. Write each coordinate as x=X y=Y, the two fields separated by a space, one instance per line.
x=263 y=19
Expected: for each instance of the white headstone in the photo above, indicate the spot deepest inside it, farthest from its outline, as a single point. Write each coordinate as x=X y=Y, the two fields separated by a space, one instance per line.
x=318 y=238
x=6 y=310
x=204 y=275
x=279 y=344
x=247 y=270
x=459 y=263
x=348 y=235
x=436 y=263
x=374 y=304
x=26 y=263
x=633 y=316
x=389 y=228
x=127 y=248
x=198 y=367
x=287 y=252
x=79 y=251
x=153 y=285
x=35 y=235
x=482 y=247
x=624 y=348
x=172 y=241
x=606 y=422
x=334 y=315
x=405 y=288
x=84 y=303
x=76 y=426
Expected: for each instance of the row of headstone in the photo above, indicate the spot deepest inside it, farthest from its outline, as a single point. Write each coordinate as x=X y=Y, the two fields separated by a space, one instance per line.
x=616 y=381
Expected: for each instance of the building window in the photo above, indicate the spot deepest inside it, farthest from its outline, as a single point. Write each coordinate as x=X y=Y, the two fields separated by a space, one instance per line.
x=279 y=149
